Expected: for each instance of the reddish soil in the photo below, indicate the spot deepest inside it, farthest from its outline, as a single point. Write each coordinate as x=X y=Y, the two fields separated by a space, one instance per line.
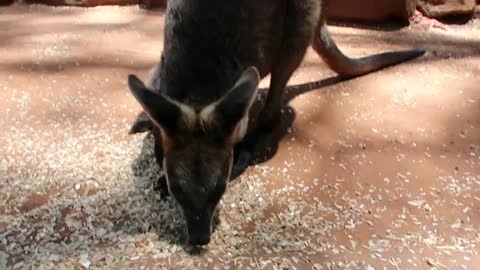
x=378 y=172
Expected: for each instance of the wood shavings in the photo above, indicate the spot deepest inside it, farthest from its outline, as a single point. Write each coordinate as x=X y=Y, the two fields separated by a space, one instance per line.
x=416 y=203
x=78 y=193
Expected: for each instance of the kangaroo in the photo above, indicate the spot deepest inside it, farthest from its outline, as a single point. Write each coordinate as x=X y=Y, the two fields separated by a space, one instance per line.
x=198 y=99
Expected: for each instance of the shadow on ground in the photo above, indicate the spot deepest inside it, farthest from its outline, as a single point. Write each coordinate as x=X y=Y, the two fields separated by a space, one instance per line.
x=164 y=219
x=269 y=144
x=261 y=155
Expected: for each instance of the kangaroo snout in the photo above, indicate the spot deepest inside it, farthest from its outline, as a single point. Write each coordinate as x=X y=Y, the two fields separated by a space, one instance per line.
x=199 y=239
x=199 y=229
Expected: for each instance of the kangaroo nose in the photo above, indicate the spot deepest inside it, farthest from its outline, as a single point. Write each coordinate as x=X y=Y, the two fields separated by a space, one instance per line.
x=200 y=240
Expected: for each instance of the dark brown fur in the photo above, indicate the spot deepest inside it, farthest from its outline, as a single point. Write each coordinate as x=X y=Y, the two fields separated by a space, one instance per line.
x=198 y=105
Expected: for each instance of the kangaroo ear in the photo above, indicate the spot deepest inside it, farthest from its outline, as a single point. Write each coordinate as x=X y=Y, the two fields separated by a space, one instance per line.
x=236 y=104
x=160 y=109
x=141 y=124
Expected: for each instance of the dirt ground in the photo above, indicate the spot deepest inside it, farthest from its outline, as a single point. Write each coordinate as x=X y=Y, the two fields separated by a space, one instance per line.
x=378 y=172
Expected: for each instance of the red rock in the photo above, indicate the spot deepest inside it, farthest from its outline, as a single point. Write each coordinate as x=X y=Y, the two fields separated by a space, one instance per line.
x=442 y=8
x=371 y=10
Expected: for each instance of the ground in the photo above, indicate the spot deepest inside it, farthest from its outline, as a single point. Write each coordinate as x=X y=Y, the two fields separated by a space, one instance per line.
x=378 y=172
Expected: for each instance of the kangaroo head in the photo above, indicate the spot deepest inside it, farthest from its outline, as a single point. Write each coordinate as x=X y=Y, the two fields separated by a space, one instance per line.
x=198 y=147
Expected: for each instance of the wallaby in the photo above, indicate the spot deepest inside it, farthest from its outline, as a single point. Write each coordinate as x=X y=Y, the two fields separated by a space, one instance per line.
x=198 y=100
